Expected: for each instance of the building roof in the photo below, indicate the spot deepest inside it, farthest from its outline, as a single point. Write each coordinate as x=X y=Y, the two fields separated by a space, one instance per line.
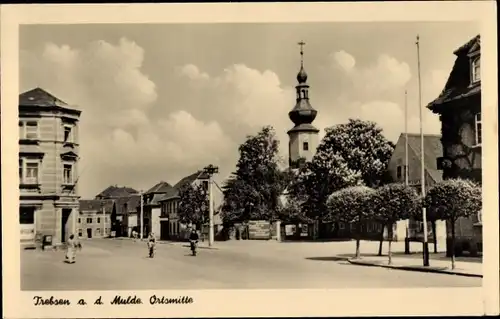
x=95 y=205
x=161 y=187
x=459 y=85
x=174 y=191
x=115 y=191
x=127 y=204
x=432 y=150
x=40 y=98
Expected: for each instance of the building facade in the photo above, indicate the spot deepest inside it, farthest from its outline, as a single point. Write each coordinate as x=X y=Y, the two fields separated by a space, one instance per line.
x=95 y=218
x=459 y=109
x=152 y=208
x=48 y=166
x=303 y=137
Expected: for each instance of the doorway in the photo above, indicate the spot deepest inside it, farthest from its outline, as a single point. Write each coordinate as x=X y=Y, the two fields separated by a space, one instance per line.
x=66 y=212
x=89 y=232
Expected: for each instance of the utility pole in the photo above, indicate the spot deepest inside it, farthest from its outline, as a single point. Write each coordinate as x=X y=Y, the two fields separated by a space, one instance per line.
x=211 y=170
x=422 y=162
x=142 y=216
x=407 y=241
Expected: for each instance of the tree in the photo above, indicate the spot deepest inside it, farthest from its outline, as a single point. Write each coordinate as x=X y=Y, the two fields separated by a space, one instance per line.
x=453 y=199
x=352 y=205
x=394 y=202
x=253 y=190
x=362 y=147
x=350 y=154
x=193 y=206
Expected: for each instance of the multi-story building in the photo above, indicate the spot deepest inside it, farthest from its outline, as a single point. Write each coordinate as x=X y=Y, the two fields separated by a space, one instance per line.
x=95 y=218
x=459 y=109
x=48 y=166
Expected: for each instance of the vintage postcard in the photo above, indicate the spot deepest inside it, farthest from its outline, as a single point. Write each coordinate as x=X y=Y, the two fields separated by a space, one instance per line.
x=186 y=160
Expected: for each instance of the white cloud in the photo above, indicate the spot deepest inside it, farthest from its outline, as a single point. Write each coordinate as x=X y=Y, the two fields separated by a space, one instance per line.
x=344 y=60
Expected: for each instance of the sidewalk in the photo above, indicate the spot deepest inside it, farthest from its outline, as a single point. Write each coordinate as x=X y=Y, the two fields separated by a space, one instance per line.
x=462 y=268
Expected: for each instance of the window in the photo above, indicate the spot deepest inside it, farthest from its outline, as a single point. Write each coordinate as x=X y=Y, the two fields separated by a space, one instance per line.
x=305 y=146
x=68 y=174
x=31 y=130
x=20 y=170
x=31 y=173
x=98 y=220
x=26 y=215
x=398 y=172
x=89 y=220
x=80 y=232
x=478 y=128
x=476 y=70
x=68 y=136
x=205 y=185
x=79 y=220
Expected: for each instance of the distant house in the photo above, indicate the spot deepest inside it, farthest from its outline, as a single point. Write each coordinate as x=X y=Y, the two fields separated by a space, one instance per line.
x=397 y=169
x=459 y=109
x=125 y=215
x=95 y=218
x=171 y=227
x=114 y=191
x=152 y=208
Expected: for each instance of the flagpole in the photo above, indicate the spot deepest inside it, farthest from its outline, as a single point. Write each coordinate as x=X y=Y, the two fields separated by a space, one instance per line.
x=422 y=162
x=407 y=242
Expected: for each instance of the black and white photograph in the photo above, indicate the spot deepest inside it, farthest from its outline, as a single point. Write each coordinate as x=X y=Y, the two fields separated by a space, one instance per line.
x=241 y=156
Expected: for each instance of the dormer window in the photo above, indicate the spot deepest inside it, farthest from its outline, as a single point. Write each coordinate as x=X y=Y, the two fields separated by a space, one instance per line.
x=476 y=70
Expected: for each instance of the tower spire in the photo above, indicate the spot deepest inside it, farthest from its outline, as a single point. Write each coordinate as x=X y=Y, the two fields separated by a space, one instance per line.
x=301 y=43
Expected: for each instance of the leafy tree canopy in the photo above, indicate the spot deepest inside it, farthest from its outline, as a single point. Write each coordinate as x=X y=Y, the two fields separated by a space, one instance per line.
x=454 y=198
x=393 y=202
x=193 y=206
x=351 y=204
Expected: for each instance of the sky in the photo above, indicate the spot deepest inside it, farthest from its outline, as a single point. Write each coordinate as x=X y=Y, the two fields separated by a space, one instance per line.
x=160 y=101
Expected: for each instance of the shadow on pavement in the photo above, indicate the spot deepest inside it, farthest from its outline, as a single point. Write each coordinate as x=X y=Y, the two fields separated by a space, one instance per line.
x=330 y=258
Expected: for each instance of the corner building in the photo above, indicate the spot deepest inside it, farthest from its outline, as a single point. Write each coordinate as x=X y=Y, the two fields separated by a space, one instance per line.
x=48 y=166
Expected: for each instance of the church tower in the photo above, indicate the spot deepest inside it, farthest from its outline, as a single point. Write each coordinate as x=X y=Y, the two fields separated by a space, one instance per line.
x=303 y=137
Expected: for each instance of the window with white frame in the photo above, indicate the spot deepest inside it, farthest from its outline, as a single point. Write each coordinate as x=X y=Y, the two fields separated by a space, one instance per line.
x=68 y=133
x=80 y=233
x=476 y=70
x=31 y=169
x=31 y=130
x=89 y=220
x=68 y=174
x=478 y=129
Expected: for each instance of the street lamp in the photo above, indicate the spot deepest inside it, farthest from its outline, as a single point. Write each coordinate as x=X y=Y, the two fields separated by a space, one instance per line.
x=210 y=170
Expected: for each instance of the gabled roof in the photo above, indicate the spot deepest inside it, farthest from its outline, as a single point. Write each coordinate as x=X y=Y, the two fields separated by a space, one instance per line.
x=190 y=179
x=459 y=84
x=127 y=204
x=114 y=191
x=161 y=187
x=95 y=205
x=432 y=150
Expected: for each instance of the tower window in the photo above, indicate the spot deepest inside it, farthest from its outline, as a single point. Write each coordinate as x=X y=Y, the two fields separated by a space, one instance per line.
x=476 y=70
x=305 y=146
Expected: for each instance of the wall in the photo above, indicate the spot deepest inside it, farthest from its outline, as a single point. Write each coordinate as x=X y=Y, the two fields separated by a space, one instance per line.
x=155 y=221
x=296 y=141
x=98 y=224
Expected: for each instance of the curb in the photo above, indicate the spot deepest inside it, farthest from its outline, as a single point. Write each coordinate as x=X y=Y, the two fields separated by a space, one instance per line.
x=413 y=268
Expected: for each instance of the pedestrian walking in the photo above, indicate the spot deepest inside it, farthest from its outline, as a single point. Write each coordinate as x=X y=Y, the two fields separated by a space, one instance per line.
x=71 y=246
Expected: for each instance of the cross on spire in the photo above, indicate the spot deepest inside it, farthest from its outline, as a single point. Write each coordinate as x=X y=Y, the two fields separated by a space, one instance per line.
x=301 y=43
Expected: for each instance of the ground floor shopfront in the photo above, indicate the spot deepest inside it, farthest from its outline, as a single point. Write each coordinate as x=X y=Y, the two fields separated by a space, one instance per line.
x=55 y=217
